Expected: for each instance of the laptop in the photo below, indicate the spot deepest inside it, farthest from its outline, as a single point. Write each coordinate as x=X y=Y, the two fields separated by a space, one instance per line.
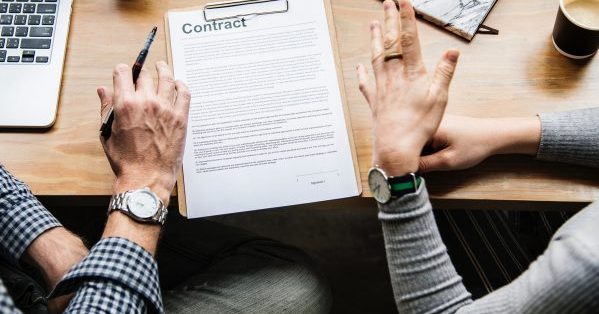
x=33 y=37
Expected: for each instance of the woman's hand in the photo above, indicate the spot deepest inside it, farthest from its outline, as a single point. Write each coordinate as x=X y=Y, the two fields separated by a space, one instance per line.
x=464 y=142
x=407 y=104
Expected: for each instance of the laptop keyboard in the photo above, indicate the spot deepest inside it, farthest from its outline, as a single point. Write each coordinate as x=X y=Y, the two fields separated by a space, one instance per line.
x=27 y=30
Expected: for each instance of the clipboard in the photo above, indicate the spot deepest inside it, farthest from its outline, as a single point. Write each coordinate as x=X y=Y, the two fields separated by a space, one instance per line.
x=243 y=8
x=249 y=9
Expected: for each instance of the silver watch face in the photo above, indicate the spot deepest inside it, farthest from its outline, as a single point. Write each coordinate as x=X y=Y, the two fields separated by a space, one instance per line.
x=379 y=186
x=143 y=204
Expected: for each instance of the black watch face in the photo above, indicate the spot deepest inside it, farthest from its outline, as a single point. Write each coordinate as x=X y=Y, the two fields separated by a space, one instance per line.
x=379 y=186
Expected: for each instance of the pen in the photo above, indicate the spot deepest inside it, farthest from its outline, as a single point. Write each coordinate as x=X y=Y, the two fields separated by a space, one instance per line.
x=106 y=128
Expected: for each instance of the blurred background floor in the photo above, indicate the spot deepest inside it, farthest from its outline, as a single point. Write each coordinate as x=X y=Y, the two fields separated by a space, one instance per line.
x=345 y=239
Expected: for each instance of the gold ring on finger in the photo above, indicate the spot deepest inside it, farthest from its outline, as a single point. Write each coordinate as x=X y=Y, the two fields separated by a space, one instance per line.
x=393 y=55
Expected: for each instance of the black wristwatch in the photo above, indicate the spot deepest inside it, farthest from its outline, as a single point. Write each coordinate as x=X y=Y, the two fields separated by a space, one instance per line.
x=386 y=188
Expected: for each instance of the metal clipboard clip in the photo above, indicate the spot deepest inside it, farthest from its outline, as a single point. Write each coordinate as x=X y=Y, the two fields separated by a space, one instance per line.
x=241 y=8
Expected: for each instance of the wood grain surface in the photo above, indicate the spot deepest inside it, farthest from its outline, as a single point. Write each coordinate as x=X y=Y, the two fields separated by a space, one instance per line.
x=517 y=73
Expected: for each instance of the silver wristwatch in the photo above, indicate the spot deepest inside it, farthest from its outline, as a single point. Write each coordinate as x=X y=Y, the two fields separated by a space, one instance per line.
x=141 y=205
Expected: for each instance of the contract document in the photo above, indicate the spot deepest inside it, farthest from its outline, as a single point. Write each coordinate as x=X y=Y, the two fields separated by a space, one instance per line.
x=267 y=124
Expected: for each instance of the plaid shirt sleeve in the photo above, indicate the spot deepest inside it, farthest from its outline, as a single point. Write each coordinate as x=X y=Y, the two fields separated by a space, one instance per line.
x=118 y=276
x=22 y=217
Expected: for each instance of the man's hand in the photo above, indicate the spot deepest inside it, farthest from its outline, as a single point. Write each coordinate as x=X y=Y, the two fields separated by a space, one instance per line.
x=148 y=133
x=147 y=142
x=407 y=105
x=464 y=142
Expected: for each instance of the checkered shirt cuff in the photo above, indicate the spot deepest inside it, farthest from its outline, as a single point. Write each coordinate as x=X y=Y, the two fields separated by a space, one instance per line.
x=105 y=297
x=22 y=217
x=119 y=262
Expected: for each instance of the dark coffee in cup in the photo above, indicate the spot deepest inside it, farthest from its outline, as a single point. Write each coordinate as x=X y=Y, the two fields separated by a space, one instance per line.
x=576 y=30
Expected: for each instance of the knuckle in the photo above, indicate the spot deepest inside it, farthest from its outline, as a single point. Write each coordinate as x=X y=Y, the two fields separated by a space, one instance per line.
x=185 y=95
x=180 y=121
x=129 y=102
x=390 y=40
x=362 y=86
x=165 y=113
x=446 y=70
x=165 y=70
x=446 y=160
x=160 y=113
x=169 y=79
x=442 y=69
x=120 y=68
x=408 y=39
x=153 y=103
x=415 y=72
x=377 y=59
x=422 y=166
x=407 y=13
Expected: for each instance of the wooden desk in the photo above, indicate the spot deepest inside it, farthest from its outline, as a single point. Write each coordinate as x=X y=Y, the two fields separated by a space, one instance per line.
x=515 y=73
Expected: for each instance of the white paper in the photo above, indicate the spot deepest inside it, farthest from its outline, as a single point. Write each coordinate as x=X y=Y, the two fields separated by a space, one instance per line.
x=266 y=123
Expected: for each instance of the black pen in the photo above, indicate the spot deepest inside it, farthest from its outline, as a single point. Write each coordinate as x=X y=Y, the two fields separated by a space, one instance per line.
x=106 y=128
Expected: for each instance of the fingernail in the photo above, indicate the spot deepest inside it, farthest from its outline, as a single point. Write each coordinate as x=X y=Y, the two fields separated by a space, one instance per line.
x=388 y=5
x=100 y=92
x=453 y=55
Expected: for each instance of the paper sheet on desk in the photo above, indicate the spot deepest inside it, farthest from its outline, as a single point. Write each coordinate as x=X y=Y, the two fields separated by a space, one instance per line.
x=266 y=123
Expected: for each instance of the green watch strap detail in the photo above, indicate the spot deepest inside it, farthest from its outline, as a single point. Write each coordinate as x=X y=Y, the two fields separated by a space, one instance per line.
x=403 y=186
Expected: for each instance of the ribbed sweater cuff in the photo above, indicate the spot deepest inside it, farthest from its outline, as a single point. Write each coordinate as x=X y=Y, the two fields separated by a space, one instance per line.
x=570 y=137
x=408 y=203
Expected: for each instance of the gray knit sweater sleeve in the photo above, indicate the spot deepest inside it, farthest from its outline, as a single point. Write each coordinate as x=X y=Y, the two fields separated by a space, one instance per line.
x=570 y=137
x=564 y=279
x=422 y=275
